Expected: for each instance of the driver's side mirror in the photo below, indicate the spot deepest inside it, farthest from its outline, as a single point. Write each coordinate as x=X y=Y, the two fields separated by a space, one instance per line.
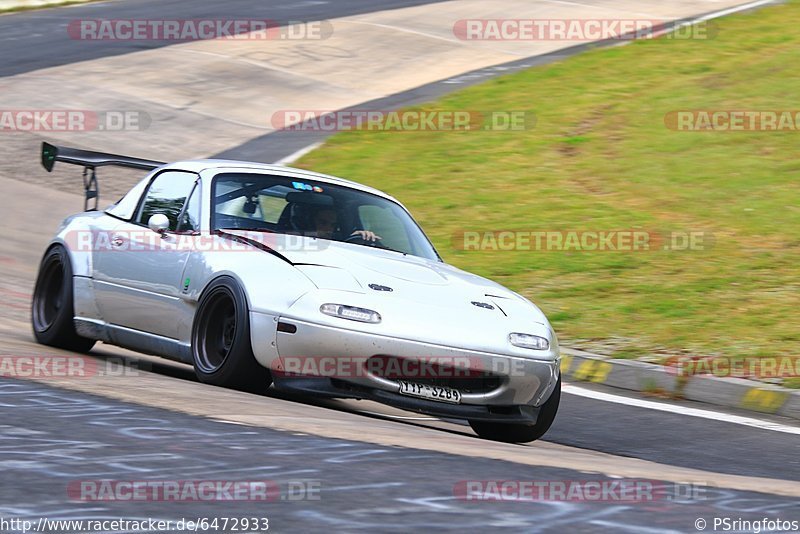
x=158 y=223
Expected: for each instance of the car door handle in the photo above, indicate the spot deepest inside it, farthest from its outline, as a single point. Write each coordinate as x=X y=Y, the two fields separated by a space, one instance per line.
x=117 y=241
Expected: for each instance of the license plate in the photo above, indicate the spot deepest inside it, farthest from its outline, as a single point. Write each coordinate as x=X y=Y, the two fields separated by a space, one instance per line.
x=425 y=391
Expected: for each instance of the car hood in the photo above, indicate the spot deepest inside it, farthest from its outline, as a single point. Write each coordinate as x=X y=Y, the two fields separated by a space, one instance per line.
x=409 y=280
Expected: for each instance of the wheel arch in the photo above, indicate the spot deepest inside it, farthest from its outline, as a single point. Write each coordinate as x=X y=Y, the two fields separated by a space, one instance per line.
x=69 y=236
x=260 y=331
x=263 y=325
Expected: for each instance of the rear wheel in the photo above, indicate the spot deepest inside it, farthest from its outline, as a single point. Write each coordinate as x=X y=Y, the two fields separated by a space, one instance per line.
x=221 y=346
x=52 y=309
x=519 y=433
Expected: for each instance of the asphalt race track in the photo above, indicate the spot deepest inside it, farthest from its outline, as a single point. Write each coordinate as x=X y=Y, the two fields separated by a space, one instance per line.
x=35 y=40
x=361 y=486
x=363 y=466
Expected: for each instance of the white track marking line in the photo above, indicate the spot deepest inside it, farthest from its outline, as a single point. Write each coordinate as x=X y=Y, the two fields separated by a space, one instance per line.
x=734 y=9
x=294 y=156
x=565 y=3
x=680 y=410
x=594 y=6
x=403 y=30
x=716 y=15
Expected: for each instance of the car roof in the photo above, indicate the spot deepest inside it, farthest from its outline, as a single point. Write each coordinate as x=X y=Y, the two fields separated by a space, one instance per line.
x=226 y=165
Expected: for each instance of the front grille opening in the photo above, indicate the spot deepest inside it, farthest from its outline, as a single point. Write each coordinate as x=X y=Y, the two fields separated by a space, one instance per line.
x=503 y=410
x=434 y=372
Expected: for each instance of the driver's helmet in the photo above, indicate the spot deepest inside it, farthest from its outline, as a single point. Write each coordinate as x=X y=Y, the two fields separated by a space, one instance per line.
x=303 y=219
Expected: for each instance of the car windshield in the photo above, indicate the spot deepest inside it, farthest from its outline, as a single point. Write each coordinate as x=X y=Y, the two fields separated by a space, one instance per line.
x=300 y=206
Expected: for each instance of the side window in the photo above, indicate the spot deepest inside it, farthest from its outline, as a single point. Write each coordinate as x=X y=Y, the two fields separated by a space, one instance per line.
x=167 y=194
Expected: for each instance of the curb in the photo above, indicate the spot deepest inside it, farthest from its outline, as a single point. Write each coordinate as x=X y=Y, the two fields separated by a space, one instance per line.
x=657 y=380
x=16 y=4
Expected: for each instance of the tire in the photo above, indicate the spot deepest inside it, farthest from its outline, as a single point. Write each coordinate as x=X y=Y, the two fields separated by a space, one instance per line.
x=52 y=309
x=520 y=433
x=221 y=348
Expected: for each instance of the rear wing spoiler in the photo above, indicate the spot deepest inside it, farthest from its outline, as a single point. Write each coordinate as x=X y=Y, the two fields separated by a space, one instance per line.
x=90 y=160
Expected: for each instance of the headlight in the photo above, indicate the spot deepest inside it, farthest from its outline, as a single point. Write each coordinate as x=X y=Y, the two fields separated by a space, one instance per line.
x=351 y=312
x=529 y=341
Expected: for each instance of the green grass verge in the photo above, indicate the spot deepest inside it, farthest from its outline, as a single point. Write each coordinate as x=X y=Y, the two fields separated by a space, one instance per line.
x=601 y=158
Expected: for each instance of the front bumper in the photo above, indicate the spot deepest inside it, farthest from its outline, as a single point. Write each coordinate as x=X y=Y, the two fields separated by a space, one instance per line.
x=493 y=386
x=330 y=387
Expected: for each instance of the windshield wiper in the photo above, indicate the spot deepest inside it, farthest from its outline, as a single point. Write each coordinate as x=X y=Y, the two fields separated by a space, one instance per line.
x=378 y=247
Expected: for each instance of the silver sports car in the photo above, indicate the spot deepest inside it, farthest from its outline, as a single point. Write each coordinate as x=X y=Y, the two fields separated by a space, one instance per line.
x=262 y=274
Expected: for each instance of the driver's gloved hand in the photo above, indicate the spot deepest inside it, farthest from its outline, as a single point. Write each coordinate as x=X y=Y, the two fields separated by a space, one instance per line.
x=366 y=235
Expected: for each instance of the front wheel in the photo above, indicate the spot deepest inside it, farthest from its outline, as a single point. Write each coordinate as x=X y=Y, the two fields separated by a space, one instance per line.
x=221 y=349
x=520 y=433
x=52 y=309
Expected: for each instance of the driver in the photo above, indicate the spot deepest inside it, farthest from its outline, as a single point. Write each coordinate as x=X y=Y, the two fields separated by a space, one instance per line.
x=326 y=222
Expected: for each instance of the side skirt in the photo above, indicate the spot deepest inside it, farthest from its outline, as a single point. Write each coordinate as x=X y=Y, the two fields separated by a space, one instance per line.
x=137 y=340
